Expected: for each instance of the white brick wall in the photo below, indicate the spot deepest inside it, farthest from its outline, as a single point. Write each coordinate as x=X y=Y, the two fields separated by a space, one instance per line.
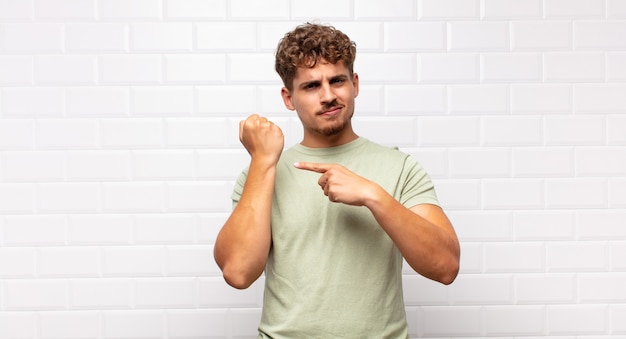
x=119 y=148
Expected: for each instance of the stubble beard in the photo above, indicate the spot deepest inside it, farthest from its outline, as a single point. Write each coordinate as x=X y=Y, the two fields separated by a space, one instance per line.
x=336 y=128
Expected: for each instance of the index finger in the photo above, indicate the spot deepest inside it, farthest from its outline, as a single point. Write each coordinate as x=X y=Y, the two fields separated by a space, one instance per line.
x=312 y=166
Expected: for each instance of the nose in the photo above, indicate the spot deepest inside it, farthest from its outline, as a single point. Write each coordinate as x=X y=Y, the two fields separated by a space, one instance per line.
x=326 y=93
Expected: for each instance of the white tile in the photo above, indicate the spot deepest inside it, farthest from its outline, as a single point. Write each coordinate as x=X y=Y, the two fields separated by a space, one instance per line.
x=448 y=131
x=98 y=101
x=75 y=262
x=481 y=289
x=425 y=99
x=185 y=9
x=544 y=225
x=67 y=134
x=478 y=36
x=543 y=162
x=97 y=37
x=599 y=35
x=616 y=9
x=387 y=68
x=16 y=70
x=139 y=133
x=573 y=193
x=130 y=69
x=414 y=36
x=32 y=37
x=616 y=66
x=541 y=98
x=341 y=9
x=225 y=99
x=16 y=134
x=135 y=261
x=66 y=9
x=201 y=324
x=163 y=165
x=508 y=193
x=34 y=166
x=132 y=196
x=33 y=101
x=18 y=263
x=577 y=319
x=514 y=257
x=552 y=288
x=68 y=197
x=512 y=131
x=515 y=320
x=131 y=9
x=160 y=228
x=16 y=10
x=165 y=293
x=98 y=165
x=39 y=294
x=170 y=36
x=188 y=132
x=566 y=130
x=573 y=67
x=98 y=293
x=226 y=36
x=587 y=256
x=162 y=100
x=541 y=35
x=603 y=162
x=599 y=98
x=585 y=9
x=248 y=9
x=133 y=324
x=512 y=9
x=65 y=70
x=19 y=325
x=449 y=9
x=448 y=68
x=599 y=225
x=505 y=67
x=195 y=69
x=480 y=163
x=34 y=230
x=198 y=197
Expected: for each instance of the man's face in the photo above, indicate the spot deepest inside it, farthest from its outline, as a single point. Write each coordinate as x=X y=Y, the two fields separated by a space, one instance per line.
x=323 y=97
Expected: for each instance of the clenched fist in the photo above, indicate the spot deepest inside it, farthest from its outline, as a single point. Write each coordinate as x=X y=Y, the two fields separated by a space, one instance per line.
x=262 y=138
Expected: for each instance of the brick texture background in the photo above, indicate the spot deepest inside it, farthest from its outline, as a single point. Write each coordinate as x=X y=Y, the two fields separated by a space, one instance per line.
x=119 y=148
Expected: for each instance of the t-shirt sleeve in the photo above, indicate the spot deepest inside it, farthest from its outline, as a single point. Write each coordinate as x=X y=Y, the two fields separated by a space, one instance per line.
x=417 y=188
x=238 y=189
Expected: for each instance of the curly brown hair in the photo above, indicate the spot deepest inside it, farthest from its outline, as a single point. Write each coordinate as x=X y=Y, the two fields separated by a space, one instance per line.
x=309 y=43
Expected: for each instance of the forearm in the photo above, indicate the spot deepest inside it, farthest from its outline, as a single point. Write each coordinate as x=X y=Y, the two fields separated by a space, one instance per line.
x=426 y=240
x=243 y=244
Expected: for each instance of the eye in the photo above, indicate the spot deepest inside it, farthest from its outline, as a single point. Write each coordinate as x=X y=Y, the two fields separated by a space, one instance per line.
x=337 y=81
x=311 y=85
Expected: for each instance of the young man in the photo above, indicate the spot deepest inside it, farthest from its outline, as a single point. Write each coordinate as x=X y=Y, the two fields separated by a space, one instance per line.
x=330 y=219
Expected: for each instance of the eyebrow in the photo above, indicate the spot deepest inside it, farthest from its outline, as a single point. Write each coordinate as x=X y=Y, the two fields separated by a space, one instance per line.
x=317 y=82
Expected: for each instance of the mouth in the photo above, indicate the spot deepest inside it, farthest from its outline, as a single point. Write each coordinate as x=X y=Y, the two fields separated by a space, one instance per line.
x=331 y=111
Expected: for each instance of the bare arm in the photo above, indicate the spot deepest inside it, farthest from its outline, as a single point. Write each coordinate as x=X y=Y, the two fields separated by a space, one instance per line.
x=244 y=242
x=423 y=233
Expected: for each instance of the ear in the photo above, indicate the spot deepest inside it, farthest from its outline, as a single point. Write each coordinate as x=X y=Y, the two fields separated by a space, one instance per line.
x=355 y=83
x=287 y=98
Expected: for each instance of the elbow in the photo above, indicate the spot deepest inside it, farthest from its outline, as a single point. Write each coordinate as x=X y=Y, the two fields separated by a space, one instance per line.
x=237 y=278
x=450 y=274
x=451 y=271
x=237 y=281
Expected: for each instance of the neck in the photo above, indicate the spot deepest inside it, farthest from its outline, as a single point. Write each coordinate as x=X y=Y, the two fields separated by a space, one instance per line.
x=324 y=141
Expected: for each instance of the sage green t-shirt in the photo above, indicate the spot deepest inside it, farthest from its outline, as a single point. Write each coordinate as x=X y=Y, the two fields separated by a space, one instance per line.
x=332 y=271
